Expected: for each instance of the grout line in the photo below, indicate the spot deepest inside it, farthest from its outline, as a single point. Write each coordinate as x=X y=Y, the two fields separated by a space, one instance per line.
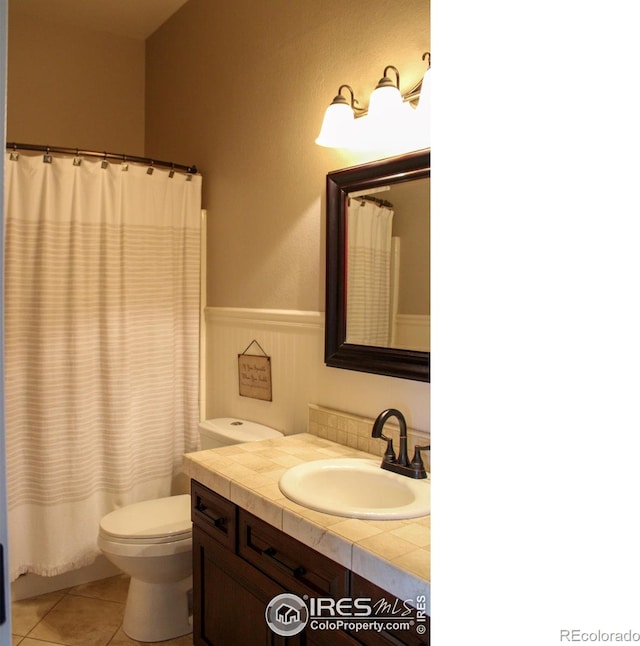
x=44 y=617
x=113 y=636
x=69 y=593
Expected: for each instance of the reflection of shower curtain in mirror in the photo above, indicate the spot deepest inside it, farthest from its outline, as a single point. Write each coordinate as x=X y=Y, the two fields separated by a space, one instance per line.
x=368 y=273
x=102 y=314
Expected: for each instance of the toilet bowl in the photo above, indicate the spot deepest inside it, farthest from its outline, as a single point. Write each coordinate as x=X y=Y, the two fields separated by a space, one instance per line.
x=151 y=541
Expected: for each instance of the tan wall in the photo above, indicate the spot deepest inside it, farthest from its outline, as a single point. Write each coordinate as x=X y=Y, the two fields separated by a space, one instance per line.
x=73 y=87
x=240 y=89
x=412 y=224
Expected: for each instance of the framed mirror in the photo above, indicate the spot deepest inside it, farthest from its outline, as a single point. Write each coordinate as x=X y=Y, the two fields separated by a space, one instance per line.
x=378 y=259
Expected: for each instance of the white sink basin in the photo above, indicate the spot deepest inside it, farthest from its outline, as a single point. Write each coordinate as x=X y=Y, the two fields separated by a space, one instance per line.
x=356 y=488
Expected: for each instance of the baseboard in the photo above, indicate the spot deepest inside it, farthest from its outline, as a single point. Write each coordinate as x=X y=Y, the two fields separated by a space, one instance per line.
x=33 y=585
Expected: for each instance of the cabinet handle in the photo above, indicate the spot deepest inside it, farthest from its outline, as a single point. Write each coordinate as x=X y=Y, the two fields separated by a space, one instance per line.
x=218 y=521
x=294 y=571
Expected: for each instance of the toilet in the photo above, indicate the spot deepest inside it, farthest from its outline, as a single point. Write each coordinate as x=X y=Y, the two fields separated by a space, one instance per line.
x=151 y=541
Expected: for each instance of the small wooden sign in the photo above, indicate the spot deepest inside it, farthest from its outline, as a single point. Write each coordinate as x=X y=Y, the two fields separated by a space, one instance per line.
x=254 y=375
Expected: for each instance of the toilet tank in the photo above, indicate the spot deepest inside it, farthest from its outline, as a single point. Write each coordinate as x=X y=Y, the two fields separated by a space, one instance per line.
x=224 y=431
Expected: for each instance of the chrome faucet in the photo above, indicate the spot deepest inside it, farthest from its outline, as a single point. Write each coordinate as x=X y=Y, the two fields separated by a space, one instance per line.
x=400 y=464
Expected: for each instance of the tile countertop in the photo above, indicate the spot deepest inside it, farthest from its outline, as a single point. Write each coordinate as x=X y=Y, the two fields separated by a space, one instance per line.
x=393 y=554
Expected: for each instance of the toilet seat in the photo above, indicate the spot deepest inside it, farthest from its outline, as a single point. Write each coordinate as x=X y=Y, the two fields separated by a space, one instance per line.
x=164 y=520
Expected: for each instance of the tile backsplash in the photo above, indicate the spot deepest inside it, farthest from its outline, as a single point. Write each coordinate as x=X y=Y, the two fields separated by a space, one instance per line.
x=355 y=431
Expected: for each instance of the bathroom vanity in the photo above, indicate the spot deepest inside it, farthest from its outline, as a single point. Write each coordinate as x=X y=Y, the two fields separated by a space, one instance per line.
x=251 y=544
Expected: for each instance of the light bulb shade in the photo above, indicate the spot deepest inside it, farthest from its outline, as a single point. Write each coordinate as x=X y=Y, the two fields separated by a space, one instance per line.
x=389 y=136
x=337 y=126
x=385 y=102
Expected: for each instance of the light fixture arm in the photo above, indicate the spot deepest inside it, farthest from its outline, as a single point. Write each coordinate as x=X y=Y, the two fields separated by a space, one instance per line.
x=414 y=93
x=353 y=99
x=353 y=103
x=385 y=81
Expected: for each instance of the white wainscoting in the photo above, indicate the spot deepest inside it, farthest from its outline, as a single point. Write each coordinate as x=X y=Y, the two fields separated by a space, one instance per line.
x=413 y=331
x=295 y=342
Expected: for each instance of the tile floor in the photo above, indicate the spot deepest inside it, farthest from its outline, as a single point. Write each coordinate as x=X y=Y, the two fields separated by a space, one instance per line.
x=86 y=615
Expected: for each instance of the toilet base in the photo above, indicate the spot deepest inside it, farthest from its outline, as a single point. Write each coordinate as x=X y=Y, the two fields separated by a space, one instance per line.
x=158 y=611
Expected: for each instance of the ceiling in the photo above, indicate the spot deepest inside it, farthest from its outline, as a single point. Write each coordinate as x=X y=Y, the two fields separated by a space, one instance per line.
x=131 y=18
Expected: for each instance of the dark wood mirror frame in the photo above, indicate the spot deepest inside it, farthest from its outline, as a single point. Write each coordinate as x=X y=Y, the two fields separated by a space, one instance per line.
x=406 y=364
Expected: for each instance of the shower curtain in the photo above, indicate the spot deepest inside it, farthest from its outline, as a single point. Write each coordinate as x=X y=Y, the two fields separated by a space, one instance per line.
x=102 y=332
x=368 y=273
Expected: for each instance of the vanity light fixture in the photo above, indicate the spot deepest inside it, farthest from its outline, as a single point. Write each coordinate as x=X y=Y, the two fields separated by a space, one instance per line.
x=389 y=117
x=337 y=125
x=386 y=100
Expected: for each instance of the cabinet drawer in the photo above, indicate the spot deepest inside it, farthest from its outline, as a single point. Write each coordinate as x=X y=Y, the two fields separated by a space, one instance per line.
x=295 y=566
x=213 y=514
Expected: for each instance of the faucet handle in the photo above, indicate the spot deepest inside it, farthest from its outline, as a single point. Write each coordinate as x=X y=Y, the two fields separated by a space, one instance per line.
x=416 y=462
x=389 y=454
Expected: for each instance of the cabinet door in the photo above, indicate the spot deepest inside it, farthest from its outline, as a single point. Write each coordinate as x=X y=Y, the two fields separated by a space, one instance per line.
x=230 y=598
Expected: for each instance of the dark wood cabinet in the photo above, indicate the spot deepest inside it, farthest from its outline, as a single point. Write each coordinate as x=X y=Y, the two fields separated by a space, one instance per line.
x=229 y=599
x=240 y=563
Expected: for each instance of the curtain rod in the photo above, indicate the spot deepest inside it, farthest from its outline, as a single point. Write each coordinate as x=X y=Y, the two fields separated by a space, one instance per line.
x=375 y=200
x=102 y=155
